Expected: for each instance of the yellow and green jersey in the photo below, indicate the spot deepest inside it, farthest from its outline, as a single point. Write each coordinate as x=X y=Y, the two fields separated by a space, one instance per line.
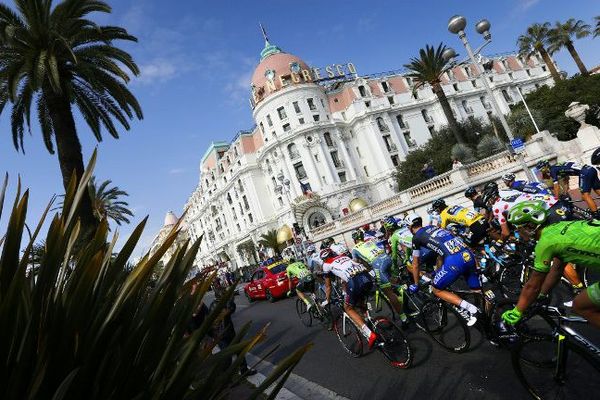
x=297 y=270
x=367 y=251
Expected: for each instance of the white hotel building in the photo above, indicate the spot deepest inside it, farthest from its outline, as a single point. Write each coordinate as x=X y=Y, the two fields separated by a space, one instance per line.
x=340 y=137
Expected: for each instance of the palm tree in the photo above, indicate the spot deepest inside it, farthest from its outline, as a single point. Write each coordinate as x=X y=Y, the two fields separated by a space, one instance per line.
x=269 y=240
x=597 y=29
x=59 y=59
x=428 y=69
x=536 y=40
x=106 y=203
x=561 y=36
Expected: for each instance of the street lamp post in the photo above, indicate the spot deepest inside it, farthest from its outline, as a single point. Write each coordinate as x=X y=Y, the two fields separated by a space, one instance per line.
x=457 y=26
x=284 y=187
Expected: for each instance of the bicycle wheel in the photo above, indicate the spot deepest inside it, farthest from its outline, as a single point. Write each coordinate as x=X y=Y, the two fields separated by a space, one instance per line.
x=304 y=315
x=381 y=307
x=394 y=345
x=349 y=335
x=445 y=325
x=510 y=280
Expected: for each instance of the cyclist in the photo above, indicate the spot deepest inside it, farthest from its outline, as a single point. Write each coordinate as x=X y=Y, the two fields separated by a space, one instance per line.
x=401 y=245
x=306 y=282
x=375 y=257
x=357 y=285
x=588 y=178
x=472 y=194
x=456 y=260
x=558 y=244
x=524 y=186
x=475 y=223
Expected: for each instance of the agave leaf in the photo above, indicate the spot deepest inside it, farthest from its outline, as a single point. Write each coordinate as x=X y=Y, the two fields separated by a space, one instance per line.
x=3 y=193
x=27 y=251
x=63 y=389
x=9 y=259
x=82 y=187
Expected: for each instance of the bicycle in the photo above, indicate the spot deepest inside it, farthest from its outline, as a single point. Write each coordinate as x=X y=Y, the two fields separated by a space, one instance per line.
x=555 y=361
x=392 y=342
x=317 y=311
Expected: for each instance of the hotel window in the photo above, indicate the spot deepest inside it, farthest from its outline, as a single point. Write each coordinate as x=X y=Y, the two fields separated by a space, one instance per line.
x=342 y=176
x=358 y=152
x=300 y=171
x=281 y=112
x=311 y=104
x=262 y=128
x=343 y=115
x=296 y=107
x=362 y=91
x=431 y=130
x=410 y=142
x=395 y=160
x=280 y=200
x=544 y=68
x=466 y=107
x=301 y=121
x=426 y=116
x=229 y=198
x=273 y=182
x=507 y=96
x=250 y=218
x=336 y=159
x=316 y=117
x=415 y=94
x=385 y=86
x=286 y=127
x=455 y=86
x=367 y=104
x=510 y=75
x=293 y=151
x=403 y=125
x=269 y=121
x=327 y=137
x=468 y=71
x=322 y=103
x=474 y=82
x=391 y=100
x=246 y=205
x=366 y=170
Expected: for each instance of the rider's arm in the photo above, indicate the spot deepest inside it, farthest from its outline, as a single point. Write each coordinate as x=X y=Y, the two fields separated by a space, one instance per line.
x=587 y=197
x=327 y=287
x=505 y=234
x=394 y=246
x=415 y=267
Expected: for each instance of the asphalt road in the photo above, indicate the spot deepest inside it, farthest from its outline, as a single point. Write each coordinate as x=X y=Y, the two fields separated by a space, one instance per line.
x=483 y=372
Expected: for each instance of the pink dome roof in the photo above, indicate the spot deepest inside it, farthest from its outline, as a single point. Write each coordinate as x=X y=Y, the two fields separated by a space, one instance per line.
x=280 y=63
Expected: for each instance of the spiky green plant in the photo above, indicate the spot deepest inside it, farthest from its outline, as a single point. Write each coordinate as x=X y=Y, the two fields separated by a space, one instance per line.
x=562 y=36
x=462 y=152
x=488 y=145
x=54 y=60
x=88 y=327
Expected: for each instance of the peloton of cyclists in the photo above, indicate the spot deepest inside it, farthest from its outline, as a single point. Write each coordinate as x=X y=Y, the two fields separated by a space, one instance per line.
x=475 y=223
x=524 y=186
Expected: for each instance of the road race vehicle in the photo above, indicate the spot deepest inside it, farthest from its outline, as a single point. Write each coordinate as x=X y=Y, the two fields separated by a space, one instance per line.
x=269 y=281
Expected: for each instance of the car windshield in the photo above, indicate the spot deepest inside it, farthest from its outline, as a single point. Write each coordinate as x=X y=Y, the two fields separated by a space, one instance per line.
x=278 y=268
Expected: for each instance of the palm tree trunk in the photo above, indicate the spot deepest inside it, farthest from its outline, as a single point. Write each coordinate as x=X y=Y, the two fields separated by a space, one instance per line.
x=577 y=59
x=70 y=157
x=439 y=92
x=550 y=64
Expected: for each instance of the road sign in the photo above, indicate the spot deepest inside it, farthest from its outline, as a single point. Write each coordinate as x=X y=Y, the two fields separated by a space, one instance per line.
x=518 y=145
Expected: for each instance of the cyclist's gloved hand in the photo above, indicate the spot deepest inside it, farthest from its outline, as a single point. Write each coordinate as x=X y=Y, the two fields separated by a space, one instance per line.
x=543 y=299
x=414 y=288
x=513 y=316
x=324 y=303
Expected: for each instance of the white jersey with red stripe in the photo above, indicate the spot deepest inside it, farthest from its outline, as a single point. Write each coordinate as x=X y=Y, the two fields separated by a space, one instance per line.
x=343 y=267
x=503 y=205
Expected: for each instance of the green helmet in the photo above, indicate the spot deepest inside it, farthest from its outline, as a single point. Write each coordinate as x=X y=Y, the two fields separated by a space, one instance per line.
x=528 y=212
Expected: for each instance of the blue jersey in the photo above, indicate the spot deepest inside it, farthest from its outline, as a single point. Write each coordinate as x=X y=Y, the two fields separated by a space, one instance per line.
x=564 y=169
x=438 y=240
x=530 y=187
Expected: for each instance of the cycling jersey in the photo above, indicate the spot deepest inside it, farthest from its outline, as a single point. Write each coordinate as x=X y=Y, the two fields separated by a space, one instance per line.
x=343 y=267
x=438 y=240
x=564 y=169
x=338 y=248
x=503 y=205
x=367 y=251
x=588 y=179
x=401 y=236
x=297 y=270
x=314 y=262
x=530 y=187
x=459 y=215
x=570 y=241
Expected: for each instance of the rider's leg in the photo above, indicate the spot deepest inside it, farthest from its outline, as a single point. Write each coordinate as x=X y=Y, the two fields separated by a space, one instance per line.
x=454 y=266
x=587 y=304
x=301 y=296
x=383 y=266
x=571 y=274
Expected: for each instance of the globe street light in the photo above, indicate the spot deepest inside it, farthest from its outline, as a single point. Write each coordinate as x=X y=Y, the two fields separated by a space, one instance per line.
x=457 y=25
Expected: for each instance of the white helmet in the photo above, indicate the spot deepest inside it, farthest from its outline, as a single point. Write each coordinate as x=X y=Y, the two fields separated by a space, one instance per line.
x=413 y=218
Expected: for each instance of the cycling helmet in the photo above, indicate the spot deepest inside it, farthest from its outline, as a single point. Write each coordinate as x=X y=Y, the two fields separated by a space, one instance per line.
x=470 y=192
x=326 y=253
x=358 y=235
x=327 y=242
x=311 y=249
x=508 y=178
x=542 y=164
x=527 y=212
x=413 y=219
x=389 y=223
x=439 y=205
x=596 y=157
x=490 y=192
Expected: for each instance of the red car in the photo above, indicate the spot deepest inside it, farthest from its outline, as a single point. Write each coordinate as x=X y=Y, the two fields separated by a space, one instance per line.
x=269 y=282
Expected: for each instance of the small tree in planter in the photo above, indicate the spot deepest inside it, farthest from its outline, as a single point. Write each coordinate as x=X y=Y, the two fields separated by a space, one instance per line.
x=488 y=145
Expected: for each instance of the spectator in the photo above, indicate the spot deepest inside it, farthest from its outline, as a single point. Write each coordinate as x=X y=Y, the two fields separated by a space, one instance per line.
x=456 y=164
x=428 y=170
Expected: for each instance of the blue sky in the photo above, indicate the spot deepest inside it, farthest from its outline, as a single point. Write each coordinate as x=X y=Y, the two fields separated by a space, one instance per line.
x=197 y=57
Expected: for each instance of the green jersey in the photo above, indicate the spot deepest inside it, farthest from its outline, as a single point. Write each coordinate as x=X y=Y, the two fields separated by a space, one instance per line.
x=297 y=270
x=367 y=251
x=401 y=236
x=575 y=242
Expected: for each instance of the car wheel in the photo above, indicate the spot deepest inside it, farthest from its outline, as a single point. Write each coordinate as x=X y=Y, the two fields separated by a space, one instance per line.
x=250 y=299
x=269 y=296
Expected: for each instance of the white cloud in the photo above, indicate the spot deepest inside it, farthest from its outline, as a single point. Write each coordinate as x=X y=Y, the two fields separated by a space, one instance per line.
x=527 y=4
x=177 y=171
x=156 y=71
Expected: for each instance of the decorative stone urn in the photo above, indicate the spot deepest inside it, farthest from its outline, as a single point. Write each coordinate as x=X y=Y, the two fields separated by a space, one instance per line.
x=577 y=112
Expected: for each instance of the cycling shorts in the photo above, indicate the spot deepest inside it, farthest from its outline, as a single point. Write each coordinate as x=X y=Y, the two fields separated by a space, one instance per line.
x=477 y=232
x=358 y=288
x=593 y=292
x=306 y=284
x=455 y=266
x=557 y=213
x=383 y=267
x=588 y=179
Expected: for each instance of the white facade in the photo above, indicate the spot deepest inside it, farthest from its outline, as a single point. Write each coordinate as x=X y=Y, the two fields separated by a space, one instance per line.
x=334 y=141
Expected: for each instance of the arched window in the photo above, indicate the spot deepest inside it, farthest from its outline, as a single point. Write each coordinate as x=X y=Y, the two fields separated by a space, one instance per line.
x=382 y=125
x=293 y=151
x=327 y=137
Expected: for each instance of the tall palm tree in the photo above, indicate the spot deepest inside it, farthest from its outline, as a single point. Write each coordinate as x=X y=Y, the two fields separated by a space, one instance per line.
x=57 y=58
x=106 y=202
x=428 y=69
x=562 y=34
x=597 y=29
x=536 y=40
x=269 y=240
